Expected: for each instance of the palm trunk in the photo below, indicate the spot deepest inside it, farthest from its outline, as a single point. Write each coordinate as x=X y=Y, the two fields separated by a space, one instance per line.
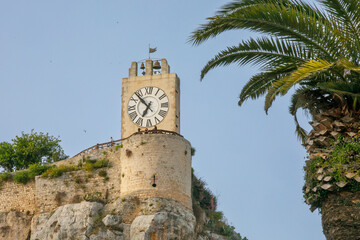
x=341 y=216
x=331 y=186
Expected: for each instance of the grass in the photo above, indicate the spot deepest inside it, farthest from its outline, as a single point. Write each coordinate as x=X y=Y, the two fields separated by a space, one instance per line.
x=52 y=171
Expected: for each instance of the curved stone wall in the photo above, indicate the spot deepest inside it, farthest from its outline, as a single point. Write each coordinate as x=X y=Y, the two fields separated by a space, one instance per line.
x=167 y=157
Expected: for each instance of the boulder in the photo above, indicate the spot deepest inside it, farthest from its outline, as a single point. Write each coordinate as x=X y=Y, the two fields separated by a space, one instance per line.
x=71 y=221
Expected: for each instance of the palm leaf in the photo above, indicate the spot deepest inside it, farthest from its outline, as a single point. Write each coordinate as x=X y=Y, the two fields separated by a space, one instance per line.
x=347 y=14
x=342 y=88
x=307 y=69
x=292 y=23
x=266 y=52
x=257 y=86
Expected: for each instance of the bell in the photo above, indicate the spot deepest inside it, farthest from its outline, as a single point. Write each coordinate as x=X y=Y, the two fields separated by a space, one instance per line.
x=142 y=66
x=157 y=65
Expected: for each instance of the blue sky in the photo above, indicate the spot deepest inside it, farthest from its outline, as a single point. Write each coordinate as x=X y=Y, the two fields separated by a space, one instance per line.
x=61 y=65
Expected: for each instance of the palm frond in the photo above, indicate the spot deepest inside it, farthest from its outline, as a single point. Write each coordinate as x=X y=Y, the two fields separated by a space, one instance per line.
x=307 y=69
x=282 y=85
x=342 y=88
x=266 y=52
x=292 y=23
x=260 y=83
x=346 y=13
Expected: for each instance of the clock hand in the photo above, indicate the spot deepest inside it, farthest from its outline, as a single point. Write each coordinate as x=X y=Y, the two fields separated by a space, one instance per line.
x=141 y=99
x=146 y=110
x=149 y=106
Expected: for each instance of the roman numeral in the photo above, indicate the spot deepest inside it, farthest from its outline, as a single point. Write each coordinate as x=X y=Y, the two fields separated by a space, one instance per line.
x=148 y=123
x=165 y=105
x=133 y=99
x=139 y=93
x=148 y=90
x=133 y=115
x=157 y=92
x=131 y=108
x=162 y=96
x=139 y=122
x=157 y=121
x=162 y=113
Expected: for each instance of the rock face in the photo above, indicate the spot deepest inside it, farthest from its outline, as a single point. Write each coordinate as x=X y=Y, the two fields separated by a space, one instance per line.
x=14 y=225
x=161 y=226
x=155 y=218
x=124 y=219
x=71 y=221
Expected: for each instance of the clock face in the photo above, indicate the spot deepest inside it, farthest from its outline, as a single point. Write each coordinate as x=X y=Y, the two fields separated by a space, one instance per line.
x=148 y=106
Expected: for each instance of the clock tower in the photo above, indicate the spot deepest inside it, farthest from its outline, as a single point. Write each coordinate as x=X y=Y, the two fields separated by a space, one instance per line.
x=157 y=164
x=150 y=97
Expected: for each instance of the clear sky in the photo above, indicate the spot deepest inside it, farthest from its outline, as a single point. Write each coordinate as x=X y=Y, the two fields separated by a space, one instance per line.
x=61 y=65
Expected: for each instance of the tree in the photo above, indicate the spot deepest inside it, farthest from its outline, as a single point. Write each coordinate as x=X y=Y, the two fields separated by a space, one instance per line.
x=30 y=148
x=317 y=52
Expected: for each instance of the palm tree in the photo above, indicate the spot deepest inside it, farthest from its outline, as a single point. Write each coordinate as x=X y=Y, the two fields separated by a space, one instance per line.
x=316 y=51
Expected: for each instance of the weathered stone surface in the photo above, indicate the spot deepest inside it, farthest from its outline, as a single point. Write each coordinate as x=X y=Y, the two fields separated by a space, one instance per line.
x=72 y=221
x=14 y=225
x=140 y=227
x=207 y=235
x=112 y=221
x=107 y=235
x=161 y=225
x=167 y=219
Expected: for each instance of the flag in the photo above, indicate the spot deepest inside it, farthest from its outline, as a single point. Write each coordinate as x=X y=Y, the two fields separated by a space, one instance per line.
x=151 y=50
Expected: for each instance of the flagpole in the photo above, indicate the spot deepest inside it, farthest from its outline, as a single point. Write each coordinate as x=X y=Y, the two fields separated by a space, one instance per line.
x=149 y=50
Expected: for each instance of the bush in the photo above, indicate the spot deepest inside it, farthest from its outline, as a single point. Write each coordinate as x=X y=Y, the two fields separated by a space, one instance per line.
x=102 y=173
x=203 y=195
x=57 y=171
x=5 y=176
x=88 y=167
x=37 y=169
x=91 y=165
x=101 y=163
x=22 y=177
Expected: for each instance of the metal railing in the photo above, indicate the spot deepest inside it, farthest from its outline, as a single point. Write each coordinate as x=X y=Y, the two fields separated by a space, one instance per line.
x=118 y=142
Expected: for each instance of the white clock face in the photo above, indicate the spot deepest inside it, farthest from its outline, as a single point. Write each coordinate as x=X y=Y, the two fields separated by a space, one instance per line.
x=148 y=106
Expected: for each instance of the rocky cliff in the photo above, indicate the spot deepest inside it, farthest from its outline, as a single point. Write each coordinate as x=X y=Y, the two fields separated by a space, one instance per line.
x=124 y=219
x=141 y=188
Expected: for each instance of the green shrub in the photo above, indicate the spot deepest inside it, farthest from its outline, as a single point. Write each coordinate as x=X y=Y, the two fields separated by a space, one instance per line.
x=88 y=166
x=203 y=195
x=5 y=176
x=93 y=197
x=91 y=165
x=37 y=169
x=78 y=180
x=193 y=150
x=218 y=224
x=22 y=177
x=88 y=160
x=57 y=171
x=102 y=173
x=101 y=163
x=119 y=146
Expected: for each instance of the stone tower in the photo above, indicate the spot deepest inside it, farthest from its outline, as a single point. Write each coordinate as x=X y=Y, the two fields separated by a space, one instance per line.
x=154 y=163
